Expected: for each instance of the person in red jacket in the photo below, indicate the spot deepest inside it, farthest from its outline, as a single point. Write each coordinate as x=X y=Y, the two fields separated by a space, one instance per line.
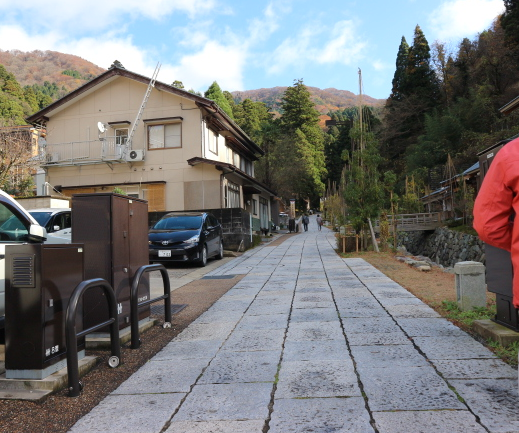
x=496 y=205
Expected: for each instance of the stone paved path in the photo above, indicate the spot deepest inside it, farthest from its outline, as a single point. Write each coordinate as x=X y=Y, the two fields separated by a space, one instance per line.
x=310 y=342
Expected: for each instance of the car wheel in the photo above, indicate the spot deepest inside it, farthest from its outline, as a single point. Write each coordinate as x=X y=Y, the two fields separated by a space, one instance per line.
x=203 y=259
x=219 y=256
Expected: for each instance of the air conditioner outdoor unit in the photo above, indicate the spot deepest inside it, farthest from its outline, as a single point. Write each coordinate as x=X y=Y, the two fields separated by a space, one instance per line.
x=135 y=155
x=52 y=157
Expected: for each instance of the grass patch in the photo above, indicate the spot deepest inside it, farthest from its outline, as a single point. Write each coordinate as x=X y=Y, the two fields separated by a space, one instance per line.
x=506 y=353
x=467 y=318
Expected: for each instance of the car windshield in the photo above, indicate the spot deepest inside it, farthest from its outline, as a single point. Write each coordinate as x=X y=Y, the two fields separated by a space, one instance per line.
x=179 y=223
x=41 y=217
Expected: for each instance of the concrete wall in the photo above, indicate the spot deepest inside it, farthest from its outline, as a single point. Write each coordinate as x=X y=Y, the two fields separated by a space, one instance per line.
x=443 y=246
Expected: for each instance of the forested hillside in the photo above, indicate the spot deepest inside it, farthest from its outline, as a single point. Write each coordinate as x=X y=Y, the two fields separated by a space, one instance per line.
x=325 y=100
x=31 y=81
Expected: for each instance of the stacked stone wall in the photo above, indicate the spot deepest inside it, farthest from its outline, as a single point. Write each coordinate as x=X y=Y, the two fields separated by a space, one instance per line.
x=443 y=246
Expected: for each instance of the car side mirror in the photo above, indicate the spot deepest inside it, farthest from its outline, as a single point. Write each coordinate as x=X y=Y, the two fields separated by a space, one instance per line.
x=55 y=228
x=37 y=233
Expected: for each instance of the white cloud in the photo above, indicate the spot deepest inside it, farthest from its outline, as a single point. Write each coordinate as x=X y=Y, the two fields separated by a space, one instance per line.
x=464 y=18
x=215 y=62
x=316 y=44
x=75 y=16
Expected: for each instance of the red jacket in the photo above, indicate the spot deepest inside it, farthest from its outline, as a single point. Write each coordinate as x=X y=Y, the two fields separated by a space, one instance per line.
x=496 y=202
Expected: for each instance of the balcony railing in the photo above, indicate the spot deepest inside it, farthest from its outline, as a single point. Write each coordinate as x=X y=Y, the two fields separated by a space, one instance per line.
x=108 y=149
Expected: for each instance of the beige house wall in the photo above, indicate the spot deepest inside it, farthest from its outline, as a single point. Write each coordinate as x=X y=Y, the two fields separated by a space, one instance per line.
x=164 y=178
x=118 y=101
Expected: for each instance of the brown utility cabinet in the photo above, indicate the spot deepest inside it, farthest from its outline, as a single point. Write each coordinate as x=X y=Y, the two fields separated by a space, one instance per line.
x=114 y=230
x=40 y=279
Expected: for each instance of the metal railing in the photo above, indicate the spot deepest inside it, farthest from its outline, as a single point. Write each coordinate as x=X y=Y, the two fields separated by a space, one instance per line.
x=107 y=149
x=72 y=335
x=413 y=222
x=135 y=304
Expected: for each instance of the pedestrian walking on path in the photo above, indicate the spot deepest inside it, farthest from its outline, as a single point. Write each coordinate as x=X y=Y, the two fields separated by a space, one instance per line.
x=306 y=220
x=319 y=221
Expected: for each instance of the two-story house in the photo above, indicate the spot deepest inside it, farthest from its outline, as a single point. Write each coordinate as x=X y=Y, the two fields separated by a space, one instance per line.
x=173 y=148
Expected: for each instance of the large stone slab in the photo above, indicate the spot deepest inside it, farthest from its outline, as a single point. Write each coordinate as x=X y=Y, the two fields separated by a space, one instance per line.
x=239 y=401
x=255 y=426
x=250 y=340
x=439 y=421
x=387 y=357
x=163 y=377
x=265 y=321
x=123 y=413
x=304 y=379
x=345 y=415
x=495 y=402
x=375 y=325
x=315 y=315
x=260 y=308
x=360 y=307
x=236 y=367
x=410 y=311
x=475 y=369
x=407 y=388
x=206 y=331
x=351 y=292
x=184 y=350
x=452 y=347
x=314 y=331
x=373 y=338
x=429 y=327
x=315 y=350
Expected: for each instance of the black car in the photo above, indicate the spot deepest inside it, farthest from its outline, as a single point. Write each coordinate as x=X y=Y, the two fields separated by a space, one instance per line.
x=186 y=237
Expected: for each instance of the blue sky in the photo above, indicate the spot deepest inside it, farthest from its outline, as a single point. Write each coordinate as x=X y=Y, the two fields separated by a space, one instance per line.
x=244 y=44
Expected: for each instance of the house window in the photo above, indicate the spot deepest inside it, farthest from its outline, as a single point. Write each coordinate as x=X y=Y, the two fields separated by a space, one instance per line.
x=121 y=136
x=165 y=136
x=236 y=159
x=246 y=166
x=233 y=195
x=213 y=142
x=254 y=206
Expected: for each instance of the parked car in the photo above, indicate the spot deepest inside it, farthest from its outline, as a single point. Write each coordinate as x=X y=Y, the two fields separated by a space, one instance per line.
x=56 y=221
x=186 y=237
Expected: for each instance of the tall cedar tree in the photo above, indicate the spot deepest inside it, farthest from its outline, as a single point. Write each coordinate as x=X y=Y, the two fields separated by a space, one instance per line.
x=510 y=22
x=214 y=92
x=400 y=72
x=417 y=94
x=300 y=156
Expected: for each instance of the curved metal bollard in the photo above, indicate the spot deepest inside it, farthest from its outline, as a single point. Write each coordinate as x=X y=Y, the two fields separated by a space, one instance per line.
x=134 y=304
x=72 y=336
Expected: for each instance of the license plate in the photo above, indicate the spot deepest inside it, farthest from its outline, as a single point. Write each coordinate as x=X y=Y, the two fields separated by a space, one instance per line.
x=164 y=253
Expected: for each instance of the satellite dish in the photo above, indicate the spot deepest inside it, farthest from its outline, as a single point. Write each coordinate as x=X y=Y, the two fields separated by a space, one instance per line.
x=101 y=126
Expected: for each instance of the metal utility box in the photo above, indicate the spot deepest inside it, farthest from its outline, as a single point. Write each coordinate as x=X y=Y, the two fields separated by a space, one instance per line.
x=114 y=230
x=499 y=274
x=499 y=281
x=40 y=278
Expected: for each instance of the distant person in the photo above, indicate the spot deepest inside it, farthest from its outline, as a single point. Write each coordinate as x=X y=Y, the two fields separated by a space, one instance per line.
x=319 y=221
x=306 y=220
x=497 y=204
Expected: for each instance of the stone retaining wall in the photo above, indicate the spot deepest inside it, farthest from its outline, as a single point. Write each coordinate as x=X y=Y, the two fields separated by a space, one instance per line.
x=444 y=246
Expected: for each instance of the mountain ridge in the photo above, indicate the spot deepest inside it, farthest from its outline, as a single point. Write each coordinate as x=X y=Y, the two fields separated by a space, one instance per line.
x=69 y=72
